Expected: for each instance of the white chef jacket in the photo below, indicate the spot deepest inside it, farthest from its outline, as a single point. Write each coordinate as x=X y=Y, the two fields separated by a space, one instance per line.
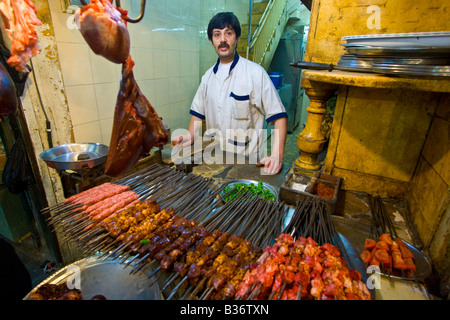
x=234 y=110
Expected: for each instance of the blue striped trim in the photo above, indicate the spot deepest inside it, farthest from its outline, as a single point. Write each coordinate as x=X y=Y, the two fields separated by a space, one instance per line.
x=277 y=116
x=196 y=114
x=239 y=98
x=235 y=61
x=239 y=144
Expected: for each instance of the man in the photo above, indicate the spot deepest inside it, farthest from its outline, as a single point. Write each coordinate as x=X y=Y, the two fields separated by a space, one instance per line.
x=234 y=98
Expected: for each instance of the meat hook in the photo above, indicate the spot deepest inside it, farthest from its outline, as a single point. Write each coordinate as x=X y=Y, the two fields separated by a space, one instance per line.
x=139 y=18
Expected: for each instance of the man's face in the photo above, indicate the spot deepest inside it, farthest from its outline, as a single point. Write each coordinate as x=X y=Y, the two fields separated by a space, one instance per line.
x=225 y=43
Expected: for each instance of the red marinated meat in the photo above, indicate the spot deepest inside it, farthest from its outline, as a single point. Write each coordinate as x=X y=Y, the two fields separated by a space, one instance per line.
x=136 y=128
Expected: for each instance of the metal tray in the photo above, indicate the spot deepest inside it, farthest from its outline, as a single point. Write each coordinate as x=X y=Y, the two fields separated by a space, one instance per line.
x=75 y=156
x=108 y=278
x=357 y=232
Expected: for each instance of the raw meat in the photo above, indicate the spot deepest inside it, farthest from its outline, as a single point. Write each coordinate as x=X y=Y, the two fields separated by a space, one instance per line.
x=104 y=30
x=19 y=20
x=137 y=127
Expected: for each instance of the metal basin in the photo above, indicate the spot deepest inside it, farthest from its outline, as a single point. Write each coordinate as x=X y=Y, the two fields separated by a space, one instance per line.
x=108 y=278
x=75 y=156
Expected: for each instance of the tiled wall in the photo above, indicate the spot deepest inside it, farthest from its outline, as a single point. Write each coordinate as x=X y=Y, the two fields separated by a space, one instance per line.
x=166 y=45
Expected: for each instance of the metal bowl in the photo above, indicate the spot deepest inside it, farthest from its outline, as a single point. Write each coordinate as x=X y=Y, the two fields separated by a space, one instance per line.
x=108 y=278
x=75 y=156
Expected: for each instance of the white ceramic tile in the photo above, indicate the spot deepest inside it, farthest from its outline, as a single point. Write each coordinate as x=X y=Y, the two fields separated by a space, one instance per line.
x=174 y=90
x=156 y=8
x=186 y=88
x=173 y=9
x=143 y=69
x=142 y=34
x=160 y=63
x=106 y=130
x=88 y=132
x=65 y=28
x=82 y=104
x=75 y=63
x=106 y=98
x=103 y=70
x=173 y=63
x=158 y=33
x=174 y=29
x=161 y=97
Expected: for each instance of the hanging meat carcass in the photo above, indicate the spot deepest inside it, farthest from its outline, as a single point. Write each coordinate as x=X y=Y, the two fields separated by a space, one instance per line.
x=137 y=127
x=104 y=30
x=19 y=20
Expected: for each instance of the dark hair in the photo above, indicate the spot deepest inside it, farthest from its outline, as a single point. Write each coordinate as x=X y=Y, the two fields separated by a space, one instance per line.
x=223 y=20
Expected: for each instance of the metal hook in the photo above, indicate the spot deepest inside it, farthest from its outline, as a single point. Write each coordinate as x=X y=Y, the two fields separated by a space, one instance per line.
x=141 y=13
x=139 y=18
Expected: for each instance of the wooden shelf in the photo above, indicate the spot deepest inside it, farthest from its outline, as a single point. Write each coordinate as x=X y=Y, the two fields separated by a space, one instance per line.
x=373 y=80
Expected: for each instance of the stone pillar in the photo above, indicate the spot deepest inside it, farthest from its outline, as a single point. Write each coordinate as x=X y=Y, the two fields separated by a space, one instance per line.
x=311 y=140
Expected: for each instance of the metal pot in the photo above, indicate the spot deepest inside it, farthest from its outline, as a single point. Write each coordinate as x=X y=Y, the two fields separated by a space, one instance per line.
x=75 y=156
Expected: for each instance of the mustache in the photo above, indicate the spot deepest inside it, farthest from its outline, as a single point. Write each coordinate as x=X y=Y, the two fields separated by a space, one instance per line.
x=223 y=45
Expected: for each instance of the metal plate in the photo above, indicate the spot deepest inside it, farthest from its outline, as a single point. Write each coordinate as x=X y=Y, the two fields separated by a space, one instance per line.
x=107 y=278
x=75 y=156
x=357 y=232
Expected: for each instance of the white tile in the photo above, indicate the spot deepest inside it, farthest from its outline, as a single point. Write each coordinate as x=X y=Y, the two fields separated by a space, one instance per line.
x=103 y=70
x=106 y=130
x=106 y=98
x=173 y=9
x=75 y=63
x=174 y=90
x=173 y=35
x=173 y=63
x=143 y=69
x=161 y=92
x=65 y=28
x=82 y=104
x=142 y=34
x=88 y=132
x=158 y=33
x=160 y=63
x=156 y=8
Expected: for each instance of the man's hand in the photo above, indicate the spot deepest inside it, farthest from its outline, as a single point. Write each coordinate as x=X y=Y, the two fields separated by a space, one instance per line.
x=186 y=139
x=272 y=164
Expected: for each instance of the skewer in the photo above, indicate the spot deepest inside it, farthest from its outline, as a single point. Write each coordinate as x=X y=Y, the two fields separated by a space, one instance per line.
x=174 y=290
x=299 y=292
x=170 y=280
x=206 y=293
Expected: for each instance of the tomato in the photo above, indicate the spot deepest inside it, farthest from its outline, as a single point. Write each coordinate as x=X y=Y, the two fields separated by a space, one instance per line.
x=386 y=237
x=400 y=242
x=374 y=262
x=406 y=253
x=382 y=256
x=381 y=245
x=369 y=244
x=366 y=256
x=410 y=265
x=399 y=263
